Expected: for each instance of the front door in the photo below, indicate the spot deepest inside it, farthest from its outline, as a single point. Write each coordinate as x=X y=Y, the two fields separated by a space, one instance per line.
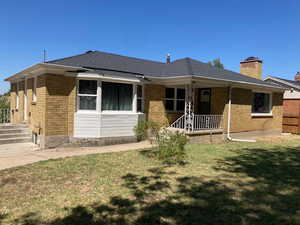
x=204 y=101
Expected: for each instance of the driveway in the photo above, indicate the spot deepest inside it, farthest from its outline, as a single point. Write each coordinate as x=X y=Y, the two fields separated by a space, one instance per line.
x=12 y=155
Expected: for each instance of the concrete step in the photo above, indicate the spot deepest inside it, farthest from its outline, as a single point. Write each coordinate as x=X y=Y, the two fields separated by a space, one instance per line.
x=15 y=140
x=14 y=135
x=12 y=126
x=14 y=131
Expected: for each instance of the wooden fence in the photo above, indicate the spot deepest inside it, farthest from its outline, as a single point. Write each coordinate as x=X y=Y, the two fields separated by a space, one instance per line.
x=291 y=124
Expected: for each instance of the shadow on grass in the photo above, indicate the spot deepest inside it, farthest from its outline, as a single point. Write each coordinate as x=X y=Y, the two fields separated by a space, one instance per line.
x=256 y=187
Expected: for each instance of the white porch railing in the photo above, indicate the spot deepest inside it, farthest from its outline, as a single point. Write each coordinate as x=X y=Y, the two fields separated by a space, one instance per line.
x=4 y=115
x=208 y=122
x=200 y=122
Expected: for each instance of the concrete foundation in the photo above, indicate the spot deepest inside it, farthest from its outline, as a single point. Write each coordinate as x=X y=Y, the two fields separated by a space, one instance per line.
x=47 y=142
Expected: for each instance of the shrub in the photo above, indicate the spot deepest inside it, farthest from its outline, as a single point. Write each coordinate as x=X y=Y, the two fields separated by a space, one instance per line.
x=145 y=129
x=140 y=130
x=171 y=146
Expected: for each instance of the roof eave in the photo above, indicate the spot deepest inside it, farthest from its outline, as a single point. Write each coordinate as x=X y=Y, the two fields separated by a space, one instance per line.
x=34 y=68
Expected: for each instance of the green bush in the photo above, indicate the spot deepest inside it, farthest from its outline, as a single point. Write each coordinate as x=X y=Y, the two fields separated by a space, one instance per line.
x=140 y=130
x=171 y=146
x=145 y=129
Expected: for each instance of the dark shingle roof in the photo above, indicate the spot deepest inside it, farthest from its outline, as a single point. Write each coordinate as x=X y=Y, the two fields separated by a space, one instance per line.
x=102 y=61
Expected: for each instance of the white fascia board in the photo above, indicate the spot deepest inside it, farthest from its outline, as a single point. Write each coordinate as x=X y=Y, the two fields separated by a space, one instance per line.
x=224 y=82
x=105 y=77
x=39 y=69
x=283 y=82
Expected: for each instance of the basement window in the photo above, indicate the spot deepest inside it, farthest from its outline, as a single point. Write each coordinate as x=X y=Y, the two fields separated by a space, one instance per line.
x=261 y=103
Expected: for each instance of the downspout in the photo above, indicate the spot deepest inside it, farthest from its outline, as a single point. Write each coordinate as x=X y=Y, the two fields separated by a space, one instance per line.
x=229 y=121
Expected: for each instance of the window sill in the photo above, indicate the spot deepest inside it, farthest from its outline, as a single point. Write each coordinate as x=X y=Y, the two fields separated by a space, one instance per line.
x=174 y=112
x=269 y=115
x=119 y=112
x=33 y=103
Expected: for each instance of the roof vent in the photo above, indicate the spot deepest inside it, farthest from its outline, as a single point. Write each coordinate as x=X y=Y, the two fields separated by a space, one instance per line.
x=89 y=51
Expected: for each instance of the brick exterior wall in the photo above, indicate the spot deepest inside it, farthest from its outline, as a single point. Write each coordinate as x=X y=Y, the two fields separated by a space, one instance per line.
x=53 y=113
x=241 y=119
x=60 y=105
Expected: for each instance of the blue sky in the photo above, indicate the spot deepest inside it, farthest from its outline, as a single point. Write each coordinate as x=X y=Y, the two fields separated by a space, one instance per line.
x=204 y=30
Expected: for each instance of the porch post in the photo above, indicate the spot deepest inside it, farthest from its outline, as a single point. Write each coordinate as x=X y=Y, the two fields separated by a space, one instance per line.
x=189 y=108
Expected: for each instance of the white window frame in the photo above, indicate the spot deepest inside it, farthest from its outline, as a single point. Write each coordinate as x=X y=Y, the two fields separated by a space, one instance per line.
x=134 y=99
x=270 y=113
x=99 y=97
x=34 y=98
x=140 y=98
x=95 y=95
x=17 y=96
x=175 y=99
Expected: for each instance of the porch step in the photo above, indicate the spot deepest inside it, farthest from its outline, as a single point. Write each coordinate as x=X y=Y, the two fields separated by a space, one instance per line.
x=10 y=134
x=12 y=126
x=15 y=135
x=14 y=131
x=15 y=140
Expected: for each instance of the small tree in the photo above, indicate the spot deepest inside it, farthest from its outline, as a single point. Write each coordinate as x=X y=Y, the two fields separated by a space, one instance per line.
x=217 y=63
x=4 y=100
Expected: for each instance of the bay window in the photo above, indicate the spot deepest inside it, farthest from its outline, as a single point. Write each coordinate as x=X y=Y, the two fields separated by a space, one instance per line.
x=87 y=95
x=175 y=99
x=117 y=96
x=261 y=103
x=96 y=95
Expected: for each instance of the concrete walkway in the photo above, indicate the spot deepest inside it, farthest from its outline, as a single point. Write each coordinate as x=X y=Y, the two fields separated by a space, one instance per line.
x=12 y=155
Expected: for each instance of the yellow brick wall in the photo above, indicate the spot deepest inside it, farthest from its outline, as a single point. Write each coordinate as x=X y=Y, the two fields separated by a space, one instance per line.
x=53 y=112
x=154 y=105
x=60 y=105
x=35 y=112
x=241 y=119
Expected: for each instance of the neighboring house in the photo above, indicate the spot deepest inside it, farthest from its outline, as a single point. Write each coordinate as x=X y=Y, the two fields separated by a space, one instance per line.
x=98 y=97
x=291 y=102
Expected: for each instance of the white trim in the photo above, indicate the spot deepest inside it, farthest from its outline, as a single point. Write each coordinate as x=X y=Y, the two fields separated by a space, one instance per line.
x=91 y=95
x=34 y=95
x=134 y=98
x=25 y=100
x=270 y=113
x=17 y=96
x=109 y=78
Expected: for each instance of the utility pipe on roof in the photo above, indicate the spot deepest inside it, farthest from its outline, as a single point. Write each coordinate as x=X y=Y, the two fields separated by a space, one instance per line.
x=229 y=121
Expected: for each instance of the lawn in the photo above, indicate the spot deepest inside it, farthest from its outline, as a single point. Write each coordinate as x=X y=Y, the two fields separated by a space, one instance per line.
x=231 y=183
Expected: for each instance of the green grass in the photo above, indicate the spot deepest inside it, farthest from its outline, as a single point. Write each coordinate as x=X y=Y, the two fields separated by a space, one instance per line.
x=232 y=183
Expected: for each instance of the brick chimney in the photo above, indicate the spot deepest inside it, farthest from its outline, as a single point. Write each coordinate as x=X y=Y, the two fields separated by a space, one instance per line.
x=297 y=76
x=252 y=67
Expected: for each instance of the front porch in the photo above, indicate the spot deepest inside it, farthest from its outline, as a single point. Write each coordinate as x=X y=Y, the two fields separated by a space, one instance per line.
x=204 y=106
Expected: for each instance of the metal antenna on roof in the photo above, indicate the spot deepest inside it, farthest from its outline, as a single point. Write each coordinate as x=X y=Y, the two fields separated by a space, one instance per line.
x=45 y=55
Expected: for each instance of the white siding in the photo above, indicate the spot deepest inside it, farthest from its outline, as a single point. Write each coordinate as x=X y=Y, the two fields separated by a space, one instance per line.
x=117 y=125
x=94 y=125
x=87 y=125
x=291 y=94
